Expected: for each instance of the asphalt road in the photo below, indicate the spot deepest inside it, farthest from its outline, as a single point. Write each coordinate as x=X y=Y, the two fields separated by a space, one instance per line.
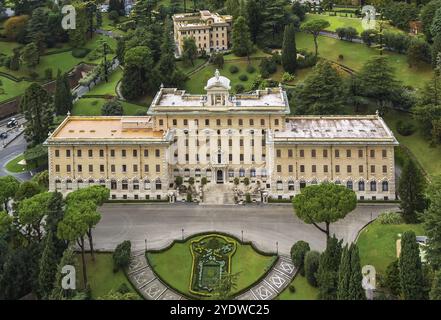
x=264 y=225
x=17 y=147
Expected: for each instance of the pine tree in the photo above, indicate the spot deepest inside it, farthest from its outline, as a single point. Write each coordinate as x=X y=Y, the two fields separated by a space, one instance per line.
x=411 y=274
x=242 y=45
x=435 y=292
x=253 y=10
x=48 y=267
x=356 y=291
x=411 y=191
x=58 y=293
x=289 y=50
x=328 y=269
x=31 y=55
x=436 y=49
x=344 y=274
x=37 y=107
x=323 y=92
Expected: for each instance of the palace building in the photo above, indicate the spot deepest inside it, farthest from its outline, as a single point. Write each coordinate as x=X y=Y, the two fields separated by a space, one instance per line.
x=211 y=31
x=222 y=137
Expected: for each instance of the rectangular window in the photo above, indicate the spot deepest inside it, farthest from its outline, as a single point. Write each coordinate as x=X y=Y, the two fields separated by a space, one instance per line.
x=124 y=168
x=229 y=122
x=90 y=153
x=313 y=153
x=302 y=153
x=276 y=122
x=348 y=153
x=123 y=153
x=57 y=153
x=158 y=168
x=68 y=168
x=360 y=153
x=337 y=153
x=372 y=169
x=241 y=157
x=325 y=168
x=290 y=168
x=337 y=168
x=302 y=168
x=135 y=153
x=240 y=122
x=289 y=153
x=218 y=122
x=314 y=168
x=185 y=122
x=101 y=168
x=112 y=168
x=101 y=153
x=146 y=153
x=90 y=167
x=161 y=122
x=146 y=168
x=262 y=122
x=112 y=153
x=384 y=153
x=384 y=169
x=349 y=169
x=360 y=169
x=207 y=122
x=251 y=122
x=135 y=168
x=79 y=154
x=157 y=153
x=175 y=122
x=325 y=153
x=372 y=153
x=67 y=153
x=230 y=142
x=279 y=168
x=80 y=168
x=278 y=153
x=57 y=168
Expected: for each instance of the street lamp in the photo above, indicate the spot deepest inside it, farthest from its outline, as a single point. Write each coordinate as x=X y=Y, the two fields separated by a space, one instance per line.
x=242 y=235
x=182 y=234
x=145 y=240
x=277 y=247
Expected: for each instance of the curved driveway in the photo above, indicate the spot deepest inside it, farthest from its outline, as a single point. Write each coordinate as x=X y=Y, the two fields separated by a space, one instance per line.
x=263 y=224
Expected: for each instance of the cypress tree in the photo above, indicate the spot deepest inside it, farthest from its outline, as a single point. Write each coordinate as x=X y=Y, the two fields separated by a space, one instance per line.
x=312 y=261
x=62 y=95
x=356 y=291
x=328 y=269
x=435 y=292
x=392 y=278
x=411 y=274
x=432 y=228
x=289 y=50
x=411 y=191
x=344 y=273
x=48 y=267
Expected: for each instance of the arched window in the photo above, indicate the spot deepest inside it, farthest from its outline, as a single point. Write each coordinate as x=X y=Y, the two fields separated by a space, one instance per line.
x=186 y=172
x=57 y=184
x=349 y=185
x=69 y=184
x=291 y=185
x=135 y=184
x=113 y=185
x=264 y=173
x=91 y=181
x=147 y=185
x=253 y=172
x=373 y=186
x=385 y=186
x=302 y=184
x=360 y=185
x=208 y=174
x=314 y=181
x=125 y=185
x=103 y=182
x=337 y=182
x=197 y=172
x=230 y=173
x=158 y=184
x=176 y=172
x=80 y=183
x=279 y=185
x=241 y=172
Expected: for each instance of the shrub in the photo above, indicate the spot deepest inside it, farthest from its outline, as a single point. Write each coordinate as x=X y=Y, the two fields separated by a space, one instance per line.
x=204 y=181
x=390 y=218
x=123 y=288
x=121 y=256
x=234 y=69
x=292 y=289
x=298 y=252
x=80 y=52
x=341 y=57
x=239 y=88
x=267 y=67
x=189 y=197
x=311 y=267
x=405 y=128
x=246 y=181
x=112 y=108
x=287 y=77
x=250 y=68
x=178 y=181
x=369 y=36
x=33 y=75
x=114 y=16
x=191 y=181
x=243 y=77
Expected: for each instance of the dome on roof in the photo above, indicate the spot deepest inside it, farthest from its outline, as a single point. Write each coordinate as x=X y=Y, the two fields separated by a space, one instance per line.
x=218 y=81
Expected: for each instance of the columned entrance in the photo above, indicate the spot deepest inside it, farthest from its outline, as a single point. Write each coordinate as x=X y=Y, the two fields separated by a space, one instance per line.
x=220 y=176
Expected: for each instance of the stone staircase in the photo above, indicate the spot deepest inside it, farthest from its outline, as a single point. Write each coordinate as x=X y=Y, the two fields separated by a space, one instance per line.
x=218 y=194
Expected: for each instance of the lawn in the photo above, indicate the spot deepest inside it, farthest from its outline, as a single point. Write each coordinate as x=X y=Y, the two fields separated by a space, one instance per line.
x=108 y=88
x=63 y=61
x=100 y=275
x=377 y=243
x=175 y=264
x=342 y=21
x=197 y=81
x=7 y=47
x=14 y=167
x=12 y=88
x=304 y=291
x=355 y=55
x=92 y=107
x=187 y=69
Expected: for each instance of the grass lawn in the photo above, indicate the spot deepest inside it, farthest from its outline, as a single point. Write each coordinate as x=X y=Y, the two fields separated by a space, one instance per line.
x=92 y=107
x=14 y=167
x=7 y=47
x=355 y=55
x=342 y=21
x=304 y=291
x=12 y=88
x=63 y=61
x=174 y=265
x=187 y=69
x=377 y=243
x=100 y=275
x=255 y=55
x=197 y=81
x=108 y=88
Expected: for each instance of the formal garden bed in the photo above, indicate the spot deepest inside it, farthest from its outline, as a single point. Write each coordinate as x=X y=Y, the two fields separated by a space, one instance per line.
x=198 y=258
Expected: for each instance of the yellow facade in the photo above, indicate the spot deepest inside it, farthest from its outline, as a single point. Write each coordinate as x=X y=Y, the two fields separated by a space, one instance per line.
x=222 y=137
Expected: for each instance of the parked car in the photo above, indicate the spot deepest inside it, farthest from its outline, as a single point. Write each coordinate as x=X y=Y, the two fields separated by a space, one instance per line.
x=12 y=123
x=3 y=135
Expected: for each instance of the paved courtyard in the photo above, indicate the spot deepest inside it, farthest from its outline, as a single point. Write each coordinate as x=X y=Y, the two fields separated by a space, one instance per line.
x=265 y=225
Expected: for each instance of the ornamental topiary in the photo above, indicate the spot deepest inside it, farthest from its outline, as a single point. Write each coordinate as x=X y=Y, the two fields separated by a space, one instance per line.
x=233 y=69
x=298 y=252
x=243 y=77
